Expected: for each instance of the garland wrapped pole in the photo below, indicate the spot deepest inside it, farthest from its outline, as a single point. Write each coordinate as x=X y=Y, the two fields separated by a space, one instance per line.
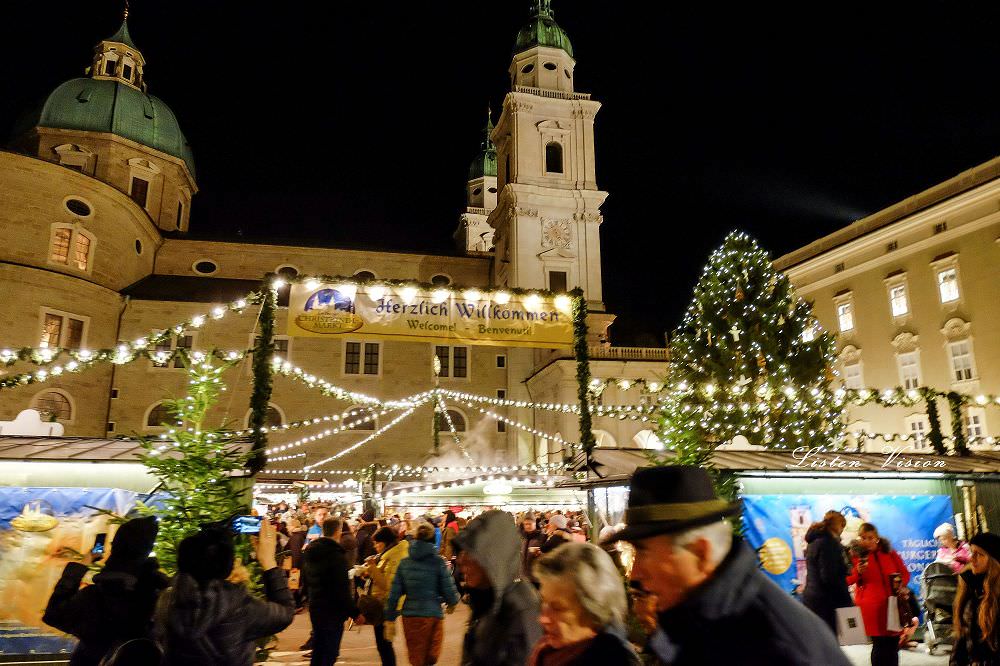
x=937 y=439
x=262 y=377
x=956 y=402
x=583 y=392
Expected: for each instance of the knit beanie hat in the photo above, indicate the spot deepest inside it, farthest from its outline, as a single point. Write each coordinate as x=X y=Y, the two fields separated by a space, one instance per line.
x=989 y=542
x=558 y=521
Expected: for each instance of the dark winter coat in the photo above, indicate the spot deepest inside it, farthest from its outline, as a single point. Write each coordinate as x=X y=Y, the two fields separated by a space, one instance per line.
x=217 y=624
x=116 y=608
x=425 y=581
x=739 y=616
x=504 y=625
x=296 y=542
x=608 y=647
x=325 y=568
x=530 y=540
x=827 y=566
x=366 y=547
x=556 y=539
x=350 y=544
x=874 y=587
x=971 y=648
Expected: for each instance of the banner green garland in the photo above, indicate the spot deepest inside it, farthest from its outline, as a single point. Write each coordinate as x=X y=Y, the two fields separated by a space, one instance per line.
x=937 y=439
x=582 y=370
x=262 y=377
x=956 y=402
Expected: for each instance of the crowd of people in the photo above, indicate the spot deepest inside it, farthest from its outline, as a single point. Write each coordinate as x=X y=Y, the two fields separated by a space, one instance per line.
x=690 y=592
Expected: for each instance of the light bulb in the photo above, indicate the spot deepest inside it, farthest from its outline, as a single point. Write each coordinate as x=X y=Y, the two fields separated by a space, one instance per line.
x=471 y=295
x=377 y=292
x=440 y=295
x=408 y=294
x=501 y=298
x=312 y=284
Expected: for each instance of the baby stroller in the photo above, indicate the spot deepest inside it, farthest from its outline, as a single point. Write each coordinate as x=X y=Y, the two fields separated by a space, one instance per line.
x=938 y=586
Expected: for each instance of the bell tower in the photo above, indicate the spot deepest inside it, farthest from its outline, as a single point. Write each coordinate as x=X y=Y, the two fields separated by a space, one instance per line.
x=547 y=217
x=474 y=236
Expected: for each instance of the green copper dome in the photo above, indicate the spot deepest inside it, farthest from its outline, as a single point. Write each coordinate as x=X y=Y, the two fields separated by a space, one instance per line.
x=485 y=163
x=102 y=105
x=122 y=36
x=542 y=30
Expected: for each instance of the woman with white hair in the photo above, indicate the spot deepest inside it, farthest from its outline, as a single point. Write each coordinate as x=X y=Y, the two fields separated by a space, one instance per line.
x=583 y=609
x=951 y=551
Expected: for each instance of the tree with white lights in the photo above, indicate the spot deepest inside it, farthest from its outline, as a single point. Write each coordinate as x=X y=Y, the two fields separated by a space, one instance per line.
x=749 y=360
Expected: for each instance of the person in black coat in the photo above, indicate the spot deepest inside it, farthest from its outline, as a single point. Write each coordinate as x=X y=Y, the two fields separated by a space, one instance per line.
x=118 y=607
x=714 y=604
x=330 y=599
x=368 y=527
x=532 y=540
x=826 y=569
x=205 y=620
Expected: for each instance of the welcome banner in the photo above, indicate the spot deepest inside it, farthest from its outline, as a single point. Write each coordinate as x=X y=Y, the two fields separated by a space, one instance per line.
x=776 y=527
x=412 y=314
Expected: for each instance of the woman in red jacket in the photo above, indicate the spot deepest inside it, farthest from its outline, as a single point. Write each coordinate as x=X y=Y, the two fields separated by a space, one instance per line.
x=871 y=573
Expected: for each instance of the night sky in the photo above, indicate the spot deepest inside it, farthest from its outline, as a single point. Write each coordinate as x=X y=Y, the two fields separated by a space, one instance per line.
x=352 y=124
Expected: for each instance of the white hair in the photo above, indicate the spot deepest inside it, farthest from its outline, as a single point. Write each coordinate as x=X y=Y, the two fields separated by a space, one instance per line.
x=719 y=536
x=592 y=573
x=942 y=529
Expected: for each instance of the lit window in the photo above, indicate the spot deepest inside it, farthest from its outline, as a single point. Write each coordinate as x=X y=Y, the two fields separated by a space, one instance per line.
x=853 y=378
x=845 y=315
x=948 y=285
x=918 y=427
x=909 y=370
x=54 y=405
x=975 y=423
x=60 y=329
x=961 y=360
x=68 y=243
x=81 y=256
x=454 y=361
x=898 y=301
x=60 y=245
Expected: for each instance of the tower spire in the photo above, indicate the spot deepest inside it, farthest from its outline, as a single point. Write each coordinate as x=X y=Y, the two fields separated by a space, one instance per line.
x=125 y=13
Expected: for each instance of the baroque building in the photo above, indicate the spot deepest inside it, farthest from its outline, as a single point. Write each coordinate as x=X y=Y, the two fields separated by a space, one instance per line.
x=95 y=206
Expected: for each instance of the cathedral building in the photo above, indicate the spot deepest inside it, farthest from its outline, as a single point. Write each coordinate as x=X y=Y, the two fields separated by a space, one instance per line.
x=96 y=204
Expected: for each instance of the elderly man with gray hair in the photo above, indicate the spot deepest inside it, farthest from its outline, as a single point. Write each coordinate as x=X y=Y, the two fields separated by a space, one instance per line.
x=714 y=605
x=583 y=609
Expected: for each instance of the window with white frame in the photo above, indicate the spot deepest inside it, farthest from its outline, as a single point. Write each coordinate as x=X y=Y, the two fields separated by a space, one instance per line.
x=457 y=419
x=918 y=427
x=962 y=366
x=454 y=361
x=947 y=280
x=845 y=312
x=975 y=423
x=184 y=340
x=853 y=377
x=362 y=358
x=898 y=301
x=55 y=405
x=282 y=345
x=909 y=369
x=71 y=246
x=62 y=329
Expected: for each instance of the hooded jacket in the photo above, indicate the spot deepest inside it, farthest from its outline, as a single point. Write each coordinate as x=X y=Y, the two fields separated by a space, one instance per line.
x=739 y=616
x=216 y=624
x=504 y=626
x=826 y=575
x=325 y=567
x=119 y=605
x=425 y=582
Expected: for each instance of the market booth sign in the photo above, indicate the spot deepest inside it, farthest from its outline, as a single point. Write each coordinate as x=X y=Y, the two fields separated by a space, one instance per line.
x=412 y=314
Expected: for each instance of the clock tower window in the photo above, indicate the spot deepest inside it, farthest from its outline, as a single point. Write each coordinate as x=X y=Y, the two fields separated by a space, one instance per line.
x=558 y=281
x=553 y=157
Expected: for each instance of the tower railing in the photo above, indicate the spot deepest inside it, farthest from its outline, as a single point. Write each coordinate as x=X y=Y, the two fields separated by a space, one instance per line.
x=552 y=94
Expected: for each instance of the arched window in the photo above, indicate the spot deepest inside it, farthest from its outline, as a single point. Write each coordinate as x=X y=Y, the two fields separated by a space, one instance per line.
x=364 y=276
x=441 y=280
x=71 y=246
x=457 y=419
x=54 y=406
x=274 y=417
x=647 y=439
x=553 y=157
x=158 y=415
x=604 y=439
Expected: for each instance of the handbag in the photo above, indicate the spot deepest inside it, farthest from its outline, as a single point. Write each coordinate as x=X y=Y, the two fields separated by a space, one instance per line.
x=850 y=626
x=899 y=613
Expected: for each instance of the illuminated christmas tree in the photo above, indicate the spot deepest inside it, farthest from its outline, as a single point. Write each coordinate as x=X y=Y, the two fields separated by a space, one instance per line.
x=749 y=360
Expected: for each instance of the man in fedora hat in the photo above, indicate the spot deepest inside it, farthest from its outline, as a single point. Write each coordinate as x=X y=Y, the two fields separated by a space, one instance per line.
x=714 y=605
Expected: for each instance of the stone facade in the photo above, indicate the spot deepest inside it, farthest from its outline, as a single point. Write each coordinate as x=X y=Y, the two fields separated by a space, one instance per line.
x=910 y=292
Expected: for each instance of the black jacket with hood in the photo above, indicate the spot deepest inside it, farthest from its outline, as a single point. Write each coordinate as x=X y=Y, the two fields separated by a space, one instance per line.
x=119 y=605
x=216 y=624
x=826 y=576
x=739 y=616
x=325 y=567
x=504 y=625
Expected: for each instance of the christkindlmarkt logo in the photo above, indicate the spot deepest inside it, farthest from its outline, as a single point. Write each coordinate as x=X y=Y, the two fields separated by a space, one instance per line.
x=329 y=311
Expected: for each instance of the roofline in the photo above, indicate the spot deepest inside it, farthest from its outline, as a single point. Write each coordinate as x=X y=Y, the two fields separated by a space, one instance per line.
x=277 y=245
x=954 y=186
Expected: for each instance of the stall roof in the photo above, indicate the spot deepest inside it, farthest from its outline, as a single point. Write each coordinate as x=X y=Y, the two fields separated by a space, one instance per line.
x=617 y=465
x=68 y=448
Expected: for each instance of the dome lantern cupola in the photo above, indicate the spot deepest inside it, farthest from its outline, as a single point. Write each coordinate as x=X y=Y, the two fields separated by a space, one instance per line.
x=117 y=59
x=543 y=54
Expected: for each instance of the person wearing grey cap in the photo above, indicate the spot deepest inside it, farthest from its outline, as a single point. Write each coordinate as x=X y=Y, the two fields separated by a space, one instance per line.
x=504 y=626
x=714 y=604
x=556 y=533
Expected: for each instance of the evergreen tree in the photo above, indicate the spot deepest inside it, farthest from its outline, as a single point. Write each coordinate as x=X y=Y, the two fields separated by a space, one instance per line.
x=748 y=359
x=195 y=466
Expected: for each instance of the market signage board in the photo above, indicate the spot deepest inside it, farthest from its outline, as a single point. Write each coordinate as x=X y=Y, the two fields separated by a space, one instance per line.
x=412 y=314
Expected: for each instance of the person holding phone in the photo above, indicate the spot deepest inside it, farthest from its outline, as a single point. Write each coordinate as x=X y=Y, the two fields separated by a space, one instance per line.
x=873 y=571
x=118 y=607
